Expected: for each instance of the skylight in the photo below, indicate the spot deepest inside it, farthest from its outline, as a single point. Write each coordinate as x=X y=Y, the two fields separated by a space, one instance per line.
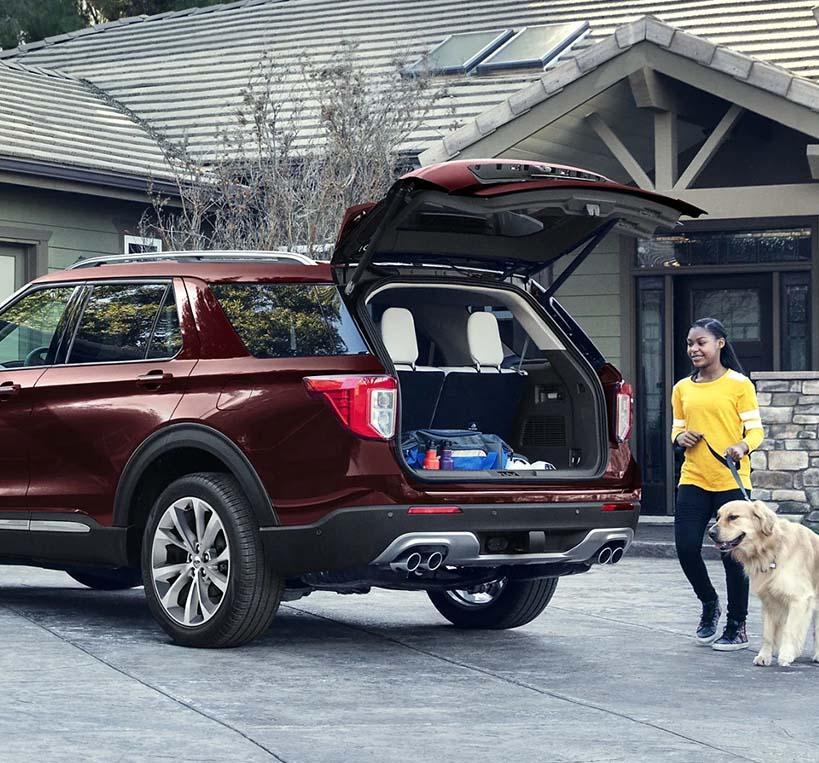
x=533 y=46
x=459 y=53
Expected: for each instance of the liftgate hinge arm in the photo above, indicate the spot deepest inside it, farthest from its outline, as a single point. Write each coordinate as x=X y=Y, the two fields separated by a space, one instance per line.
x=368 y=252
x=596 y=238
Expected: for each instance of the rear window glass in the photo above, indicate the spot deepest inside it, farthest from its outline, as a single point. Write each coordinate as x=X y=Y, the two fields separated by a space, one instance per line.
x=290 y=320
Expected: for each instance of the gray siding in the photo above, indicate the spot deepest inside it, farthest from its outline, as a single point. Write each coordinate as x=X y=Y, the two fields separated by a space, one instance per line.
x=592 y=295
x=80 y=226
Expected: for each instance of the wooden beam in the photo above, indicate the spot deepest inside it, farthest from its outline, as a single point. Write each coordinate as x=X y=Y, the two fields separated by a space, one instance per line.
x=710 y=147
x=620 y=152
x=666 y=150
x=748 y=202
x=654 y=91
x=812 y=152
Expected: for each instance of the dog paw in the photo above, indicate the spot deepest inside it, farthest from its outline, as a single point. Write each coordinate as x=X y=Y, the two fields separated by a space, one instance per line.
x=763 y=658
x=785 y=659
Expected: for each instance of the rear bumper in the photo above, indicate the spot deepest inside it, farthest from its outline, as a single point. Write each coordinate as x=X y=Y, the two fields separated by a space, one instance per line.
x=537 y=534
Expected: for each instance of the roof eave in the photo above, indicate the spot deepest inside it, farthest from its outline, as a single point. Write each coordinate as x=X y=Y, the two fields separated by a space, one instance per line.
x=27 y=169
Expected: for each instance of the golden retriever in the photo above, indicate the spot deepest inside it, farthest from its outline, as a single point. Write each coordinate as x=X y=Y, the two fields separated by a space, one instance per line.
x=781 y=559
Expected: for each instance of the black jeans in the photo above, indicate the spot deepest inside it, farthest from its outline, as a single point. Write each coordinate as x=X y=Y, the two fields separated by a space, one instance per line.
x=695 y=507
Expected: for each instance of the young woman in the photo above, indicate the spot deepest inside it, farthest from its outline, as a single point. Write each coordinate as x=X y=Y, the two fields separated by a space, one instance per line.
x=716 y=405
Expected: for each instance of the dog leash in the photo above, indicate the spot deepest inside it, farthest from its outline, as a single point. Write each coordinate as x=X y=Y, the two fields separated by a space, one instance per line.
x=731 y=466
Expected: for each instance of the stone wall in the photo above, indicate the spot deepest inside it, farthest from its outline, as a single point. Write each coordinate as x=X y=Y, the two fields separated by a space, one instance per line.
x=786 y=466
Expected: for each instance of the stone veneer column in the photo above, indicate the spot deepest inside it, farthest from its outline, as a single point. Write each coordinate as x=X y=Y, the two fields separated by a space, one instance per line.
x=786 y=466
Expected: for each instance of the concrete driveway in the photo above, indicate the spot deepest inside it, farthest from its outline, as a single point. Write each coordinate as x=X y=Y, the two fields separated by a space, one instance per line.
x=609 y=672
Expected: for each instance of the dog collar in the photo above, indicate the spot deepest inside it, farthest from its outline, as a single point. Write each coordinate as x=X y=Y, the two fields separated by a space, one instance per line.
x=771 y=566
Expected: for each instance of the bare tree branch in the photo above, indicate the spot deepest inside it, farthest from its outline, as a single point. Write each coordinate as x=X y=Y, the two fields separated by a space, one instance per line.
x=285 y=171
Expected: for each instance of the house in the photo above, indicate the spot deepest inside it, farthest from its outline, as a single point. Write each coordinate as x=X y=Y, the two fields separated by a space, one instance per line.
x=73 y=173
x=710 y=101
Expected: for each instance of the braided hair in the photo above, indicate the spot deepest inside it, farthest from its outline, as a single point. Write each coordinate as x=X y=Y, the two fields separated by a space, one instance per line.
x=727 y=356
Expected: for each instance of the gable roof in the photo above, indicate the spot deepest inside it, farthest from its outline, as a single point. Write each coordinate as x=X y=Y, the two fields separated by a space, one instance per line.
x=182 y=72
x=48 y=118
x=765 y=77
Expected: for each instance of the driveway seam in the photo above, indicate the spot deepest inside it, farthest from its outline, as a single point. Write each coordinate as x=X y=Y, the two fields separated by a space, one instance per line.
x=652 y=628
x=147 y=685
x=523 y=684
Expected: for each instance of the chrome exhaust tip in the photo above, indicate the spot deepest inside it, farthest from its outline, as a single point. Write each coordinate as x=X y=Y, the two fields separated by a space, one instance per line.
x=617 y=555
x=409 y=563
x=604 y=556
x=434 y=561
x=413 y=562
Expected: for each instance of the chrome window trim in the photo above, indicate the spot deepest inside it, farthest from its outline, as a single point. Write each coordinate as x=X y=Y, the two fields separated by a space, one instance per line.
x=58 y=525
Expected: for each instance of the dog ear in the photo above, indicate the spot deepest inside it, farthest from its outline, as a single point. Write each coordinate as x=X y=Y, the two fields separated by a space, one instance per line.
x=766 y=517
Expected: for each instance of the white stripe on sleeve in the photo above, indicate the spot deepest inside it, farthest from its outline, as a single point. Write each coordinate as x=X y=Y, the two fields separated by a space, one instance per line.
x=748 y=415
x=678 y=423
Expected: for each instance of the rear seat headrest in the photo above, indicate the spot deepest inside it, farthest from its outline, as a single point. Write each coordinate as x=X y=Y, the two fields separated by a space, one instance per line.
x=483 y=338
x=398 y=335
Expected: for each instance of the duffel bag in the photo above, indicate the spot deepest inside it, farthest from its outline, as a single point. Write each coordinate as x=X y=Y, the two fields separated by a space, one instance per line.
x=471 y=450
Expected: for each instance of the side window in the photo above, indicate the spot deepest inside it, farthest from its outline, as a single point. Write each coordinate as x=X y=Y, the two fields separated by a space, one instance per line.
x=167 y=338
x=290 y=320
x=117 y=323
x=31 y=328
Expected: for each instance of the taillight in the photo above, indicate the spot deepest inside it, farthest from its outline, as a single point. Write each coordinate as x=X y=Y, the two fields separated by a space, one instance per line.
x=364 y=404
x=618 y=506
x=624 y=412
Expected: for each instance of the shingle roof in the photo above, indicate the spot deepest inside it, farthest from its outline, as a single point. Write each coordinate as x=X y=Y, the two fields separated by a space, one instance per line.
x=48 y=117
x=182 y=72
x=762 y=75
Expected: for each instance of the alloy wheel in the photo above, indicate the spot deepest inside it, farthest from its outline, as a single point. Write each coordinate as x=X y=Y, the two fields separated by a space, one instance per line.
x=479 y=595
x=190 y=561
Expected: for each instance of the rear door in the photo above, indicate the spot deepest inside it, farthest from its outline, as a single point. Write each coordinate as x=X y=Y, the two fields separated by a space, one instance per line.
x=124 y=374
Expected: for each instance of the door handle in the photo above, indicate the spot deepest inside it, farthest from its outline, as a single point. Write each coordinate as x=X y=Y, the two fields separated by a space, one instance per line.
x=153 y=378
x=9 y=389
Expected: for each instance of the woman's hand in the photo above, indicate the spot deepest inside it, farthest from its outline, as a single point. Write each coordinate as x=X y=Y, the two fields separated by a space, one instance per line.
x=688 y=439
x=737 y=452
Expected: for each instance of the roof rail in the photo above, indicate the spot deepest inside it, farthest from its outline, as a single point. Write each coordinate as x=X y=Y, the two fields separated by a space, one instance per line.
x=204 y=256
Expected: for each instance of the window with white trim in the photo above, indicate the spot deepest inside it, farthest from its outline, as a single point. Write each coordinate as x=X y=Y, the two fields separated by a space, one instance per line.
x=141 y=245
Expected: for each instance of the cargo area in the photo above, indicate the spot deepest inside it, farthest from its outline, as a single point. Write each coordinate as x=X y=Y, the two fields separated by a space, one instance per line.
x=481 y=362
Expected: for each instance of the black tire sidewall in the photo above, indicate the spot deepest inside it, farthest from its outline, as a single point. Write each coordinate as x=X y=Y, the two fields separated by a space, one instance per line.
x=247 y=559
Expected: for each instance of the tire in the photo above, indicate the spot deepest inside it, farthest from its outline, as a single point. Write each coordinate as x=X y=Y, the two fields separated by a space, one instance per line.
x=507 y=603
x=107 y=580
x=220 y=596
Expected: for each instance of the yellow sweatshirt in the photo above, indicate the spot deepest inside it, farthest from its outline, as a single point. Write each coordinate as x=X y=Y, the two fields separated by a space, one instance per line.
x=726 y=412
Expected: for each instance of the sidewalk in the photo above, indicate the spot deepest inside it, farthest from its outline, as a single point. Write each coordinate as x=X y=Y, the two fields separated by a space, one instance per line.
x=655 y=538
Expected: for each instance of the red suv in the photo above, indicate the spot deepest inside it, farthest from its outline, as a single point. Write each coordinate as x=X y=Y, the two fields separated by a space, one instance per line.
x=234 y=429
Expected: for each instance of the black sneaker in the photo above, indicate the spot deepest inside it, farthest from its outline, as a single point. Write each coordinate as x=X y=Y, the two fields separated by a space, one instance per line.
x=707 y=629
x=732 y=638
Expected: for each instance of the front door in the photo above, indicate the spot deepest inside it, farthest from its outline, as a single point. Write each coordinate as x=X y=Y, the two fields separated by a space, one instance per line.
x=744 y=305
x=29 y=328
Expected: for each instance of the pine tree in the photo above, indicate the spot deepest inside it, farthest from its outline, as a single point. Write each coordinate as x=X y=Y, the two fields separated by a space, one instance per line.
x=27 y=21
